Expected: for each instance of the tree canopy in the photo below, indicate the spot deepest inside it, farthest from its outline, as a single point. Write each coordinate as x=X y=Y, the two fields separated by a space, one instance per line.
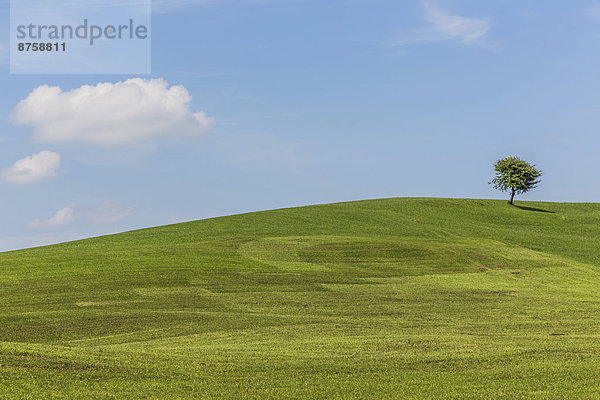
x=515 y=176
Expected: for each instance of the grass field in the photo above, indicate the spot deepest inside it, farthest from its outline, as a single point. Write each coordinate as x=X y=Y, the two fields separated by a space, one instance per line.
x=380 y=299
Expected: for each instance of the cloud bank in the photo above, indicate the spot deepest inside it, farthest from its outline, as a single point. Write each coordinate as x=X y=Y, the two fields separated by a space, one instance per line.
x=63 y=217
x=132 y=112
x=32 y=169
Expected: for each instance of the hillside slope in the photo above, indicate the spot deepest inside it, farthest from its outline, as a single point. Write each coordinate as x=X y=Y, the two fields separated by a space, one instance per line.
x=395 y=298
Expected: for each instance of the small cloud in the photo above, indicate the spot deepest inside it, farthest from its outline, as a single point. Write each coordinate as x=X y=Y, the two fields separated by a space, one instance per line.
x=63 y=217
x=133 y=112
x=109 y=213
x=32 y=169
x=444 y=26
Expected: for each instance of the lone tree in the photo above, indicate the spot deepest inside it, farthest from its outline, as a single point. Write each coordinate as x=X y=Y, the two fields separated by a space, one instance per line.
x=515 y=176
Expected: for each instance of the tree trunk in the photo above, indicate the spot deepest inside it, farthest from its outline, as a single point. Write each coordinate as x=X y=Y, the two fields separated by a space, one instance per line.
x=512 y=197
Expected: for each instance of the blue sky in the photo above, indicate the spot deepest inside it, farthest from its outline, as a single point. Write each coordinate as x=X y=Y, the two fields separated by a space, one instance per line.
x=310 y=102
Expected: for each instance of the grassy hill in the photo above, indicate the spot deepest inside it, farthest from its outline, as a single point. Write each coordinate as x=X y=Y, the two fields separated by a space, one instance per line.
x=397 y=298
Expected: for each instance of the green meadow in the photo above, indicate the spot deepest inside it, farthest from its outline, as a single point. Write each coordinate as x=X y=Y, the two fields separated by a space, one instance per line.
x=378 y=299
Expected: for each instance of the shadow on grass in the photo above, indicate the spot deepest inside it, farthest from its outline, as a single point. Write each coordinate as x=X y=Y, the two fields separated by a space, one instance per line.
x=534 y=209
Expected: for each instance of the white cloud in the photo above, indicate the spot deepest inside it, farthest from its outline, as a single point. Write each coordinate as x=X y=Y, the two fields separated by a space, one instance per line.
x=63 y=217
x=109 y=213
x=443 y=26
x=32 y=169
x=132 y=112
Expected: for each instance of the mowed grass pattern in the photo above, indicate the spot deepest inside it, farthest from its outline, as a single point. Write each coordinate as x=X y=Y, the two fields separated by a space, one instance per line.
x=380 y=299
